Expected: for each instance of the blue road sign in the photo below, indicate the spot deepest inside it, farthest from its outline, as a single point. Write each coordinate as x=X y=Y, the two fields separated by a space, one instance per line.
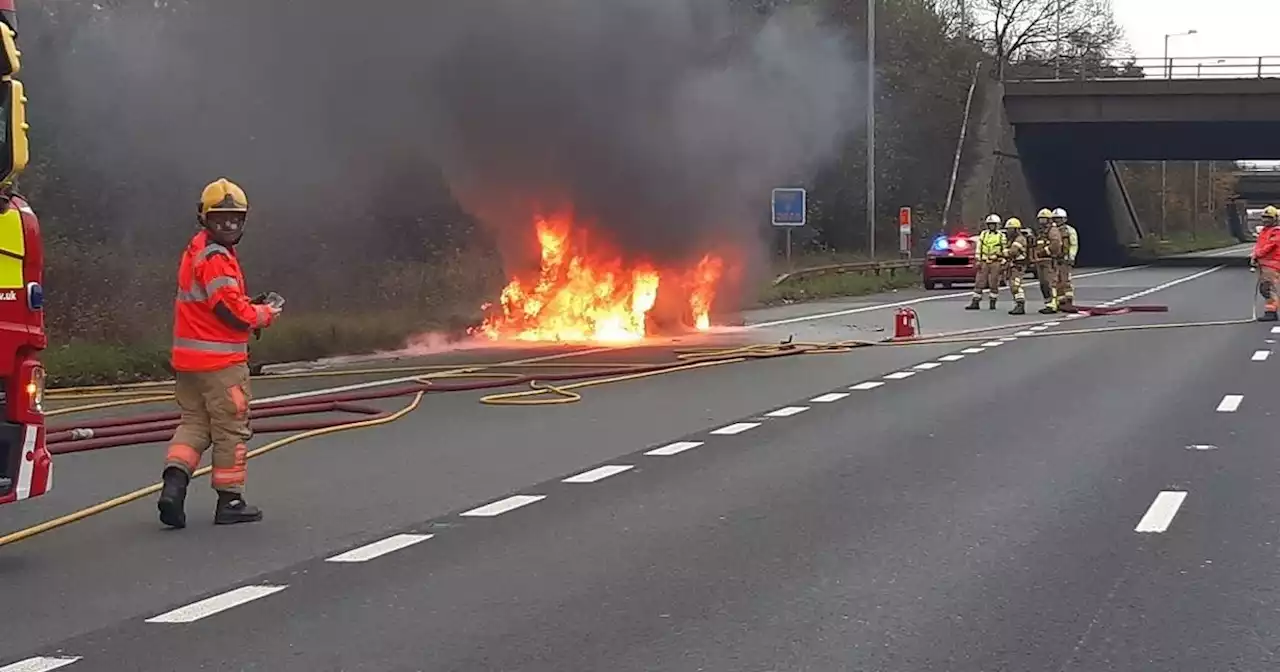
x=788 y=207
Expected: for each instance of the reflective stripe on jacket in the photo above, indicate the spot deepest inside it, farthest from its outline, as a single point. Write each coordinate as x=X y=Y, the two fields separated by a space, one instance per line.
x=990 y=246
x=1267 y=248
x=213 y=316
x=1072 y=241
x=1017 y=252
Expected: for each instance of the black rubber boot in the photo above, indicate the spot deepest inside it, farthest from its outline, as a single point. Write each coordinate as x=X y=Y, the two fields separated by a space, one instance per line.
x=173 y=497
x=991 y=305
x=1068 y=306
x=1048 y=310
x=233 y=509
x=1269 y=316
x=1019 y=308
x=973 y=305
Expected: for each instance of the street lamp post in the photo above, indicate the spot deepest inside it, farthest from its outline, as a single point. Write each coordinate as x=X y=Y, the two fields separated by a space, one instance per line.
x=871 y=126
x=1164 y=165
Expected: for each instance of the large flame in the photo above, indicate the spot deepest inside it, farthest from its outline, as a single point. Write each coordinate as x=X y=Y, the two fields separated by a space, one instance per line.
x=578 y=297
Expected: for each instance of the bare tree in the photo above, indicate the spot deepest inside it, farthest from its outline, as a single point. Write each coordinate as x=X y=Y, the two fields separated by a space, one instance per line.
x=1044 y=29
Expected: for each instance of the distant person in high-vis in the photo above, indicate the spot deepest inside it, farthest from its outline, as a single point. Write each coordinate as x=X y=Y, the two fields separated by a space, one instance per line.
x=1064 y=290
x=1266 y=254
x=991 y=244
x=213 y=318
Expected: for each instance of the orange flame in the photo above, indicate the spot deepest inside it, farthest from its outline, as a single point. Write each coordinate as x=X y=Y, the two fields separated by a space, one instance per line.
x=580 y=298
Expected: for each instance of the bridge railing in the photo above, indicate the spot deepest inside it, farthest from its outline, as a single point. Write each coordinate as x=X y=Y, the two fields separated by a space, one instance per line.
x=1184 y=67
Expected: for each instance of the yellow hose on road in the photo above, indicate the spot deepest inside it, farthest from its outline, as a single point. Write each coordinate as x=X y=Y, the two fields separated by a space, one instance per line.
x=69 y=518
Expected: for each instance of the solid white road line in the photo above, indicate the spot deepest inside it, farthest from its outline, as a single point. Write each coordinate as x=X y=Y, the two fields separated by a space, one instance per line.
x=39 y=664
x=951 y=358
x=735 y=428
x=927 y=366
x=900 y=375
x=973 y=351
x=504 y=505
x=1161 y=512
x=380 y=548
x=674 y=448
x=599 y=473
x=910 y=302
x=787 y=411
x=216 y=604
x=869 y=385
x=1261 y=355
x=1230 y=403
x=829 y=397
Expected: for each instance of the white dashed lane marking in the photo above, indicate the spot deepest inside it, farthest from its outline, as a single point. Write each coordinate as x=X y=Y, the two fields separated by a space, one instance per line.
x=787 y=412
x=599 y=473
x=1261 y=355
x=216 y=604
x=973 y=351
x=1040 y=327
x=674 y=448
x=1275 y=330
x=503 y=505
x=1230 y=403
x=992 y=344
x=1161 y=512
x=40 y=664
x=380 y=548
x=735 y=428
x=869 y=385
x=829 y=397
x=927 y=366
x=950 y=358
x=1024 y=333
x=900 y=375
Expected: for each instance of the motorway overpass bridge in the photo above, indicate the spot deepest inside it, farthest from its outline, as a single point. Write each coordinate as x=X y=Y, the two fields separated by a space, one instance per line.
x=1069 y=131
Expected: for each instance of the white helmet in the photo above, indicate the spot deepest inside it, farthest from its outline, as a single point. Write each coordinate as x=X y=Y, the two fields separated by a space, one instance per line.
x=994 y=219
x=1059 y=213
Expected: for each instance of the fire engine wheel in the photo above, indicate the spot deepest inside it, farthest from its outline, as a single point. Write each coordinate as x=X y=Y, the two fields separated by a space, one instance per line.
x=929 y=284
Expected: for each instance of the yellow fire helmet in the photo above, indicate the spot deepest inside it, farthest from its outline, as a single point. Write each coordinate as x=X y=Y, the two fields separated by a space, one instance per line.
x=223 y=195
x=1270 y=212
x=1013 y=223
x=1045 y=213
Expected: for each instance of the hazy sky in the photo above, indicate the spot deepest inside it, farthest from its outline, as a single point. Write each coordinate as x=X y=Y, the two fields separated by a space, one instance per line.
x=1224 y=28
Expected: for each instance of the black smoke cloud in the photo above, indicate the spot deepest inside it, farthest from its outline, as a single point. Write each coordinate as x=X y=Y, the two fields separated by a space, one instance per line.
x=662 y=122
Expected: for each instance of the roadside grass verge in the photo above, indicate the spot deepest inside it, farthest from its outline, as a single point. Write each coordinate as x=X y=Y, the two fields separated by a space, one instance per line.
x=313 y=335
x=1182 y=243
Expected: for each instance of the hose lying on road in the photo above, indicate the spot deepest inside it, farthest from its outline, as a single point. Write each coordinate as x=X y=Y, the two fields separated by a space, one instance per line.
x=544 y=389
x=203 y=471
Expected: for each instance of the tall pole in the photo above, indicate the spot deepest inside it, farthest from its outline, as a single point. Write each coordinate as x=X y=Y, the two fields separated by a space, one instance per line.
x=1057 y=48
x=871 y=125
x=1164 y=165
x=1195 y=200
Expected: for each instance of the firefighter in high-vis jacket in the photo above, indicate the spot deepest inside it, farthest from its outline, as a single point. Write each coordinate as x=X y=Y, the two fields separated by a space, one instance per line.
x=1016 y=257
x=990 y=252
x=213 y=318
x=1266 y=254
x=1056 y=247
x=1042 y=258
x=1065 y=291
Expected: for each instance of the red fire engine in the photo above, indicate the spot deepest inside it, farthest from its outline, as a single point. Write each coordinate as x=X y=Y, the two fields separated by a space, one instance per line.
x=26 y=469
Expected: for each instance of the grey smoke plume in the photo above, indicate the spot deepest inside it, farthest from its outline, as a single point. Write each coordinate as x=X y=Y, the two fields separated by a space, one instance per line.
x=663 y=123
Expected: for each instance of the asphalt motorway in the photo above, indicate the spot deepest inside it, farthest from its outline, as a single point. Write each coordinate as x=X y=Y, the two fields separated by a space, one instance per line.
x=1037 y=500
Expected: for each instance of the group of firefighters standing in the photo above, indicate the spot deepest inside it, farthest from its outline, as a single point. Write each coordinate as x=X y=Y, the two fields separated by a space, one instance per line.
x=1050 y=248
